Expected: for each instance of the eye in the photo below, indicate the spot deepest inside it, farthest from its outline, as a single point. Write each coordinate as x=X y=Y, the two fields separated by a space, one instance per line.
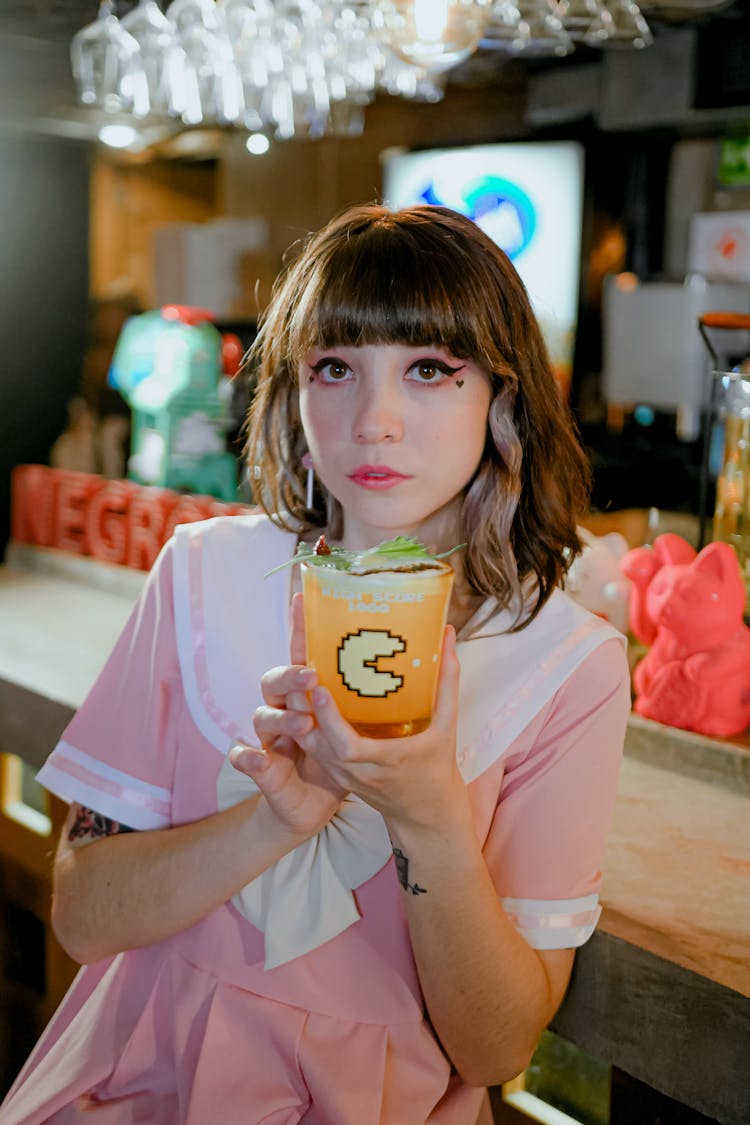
x=330 y=369
x=431 y=371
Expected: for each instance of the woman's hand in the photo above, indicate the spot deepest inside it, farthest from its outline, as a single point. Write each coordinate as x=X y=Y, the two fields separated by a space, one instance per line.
x=301 y=794
x=413 y=781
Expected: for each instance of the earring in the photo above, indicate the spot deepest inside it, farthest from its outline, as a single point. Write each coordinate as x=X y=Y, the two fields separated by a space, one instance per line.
x=307 y=462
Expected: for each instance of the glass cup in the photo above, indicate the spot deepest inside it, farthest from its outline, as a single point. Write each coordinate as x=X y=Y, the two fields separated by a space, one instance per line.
x=375 y=641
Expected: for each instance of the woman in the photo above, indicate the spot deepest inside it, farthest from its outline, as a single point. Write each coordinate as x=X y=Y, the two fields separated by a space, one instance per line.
x=253 y=952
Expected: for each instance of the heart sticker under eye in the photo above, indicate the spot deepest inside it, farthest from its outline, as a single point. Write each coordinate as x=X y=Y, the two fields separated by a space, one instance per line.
x=459 y=382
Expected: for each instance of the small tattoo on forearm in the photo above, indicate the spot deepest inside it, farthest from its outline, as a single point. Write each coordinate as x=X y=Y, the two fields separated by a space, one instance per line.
x=90 y=825
x=402 y=870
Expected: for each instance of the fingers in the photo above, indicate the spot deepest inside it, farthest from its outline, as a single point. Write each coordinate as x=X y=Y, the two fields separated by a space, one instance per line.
x=269 y=769
x=446 y=702
x=333 y=728
x=297 y=645
x=273 y=723
x=250 y=760
x=287 y=686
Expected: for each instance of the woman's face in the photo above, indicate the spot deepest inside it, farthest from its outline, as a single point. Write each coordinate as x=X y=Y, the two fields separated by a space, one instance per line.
x=396 y=433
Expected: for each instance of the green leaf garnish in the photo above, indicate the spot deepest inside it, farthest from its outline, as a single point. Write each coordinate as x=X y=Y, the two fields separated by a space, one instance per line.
x=398 y=552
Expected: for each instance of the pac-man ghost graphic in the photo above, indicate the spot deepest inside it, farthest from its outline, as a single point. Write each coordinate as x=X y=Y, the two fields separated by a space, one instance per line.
x=358 y=662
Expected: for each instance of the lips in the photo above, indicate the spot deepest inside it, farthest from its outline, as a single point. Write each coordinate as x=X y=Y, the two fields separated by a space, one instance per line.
x=376 y=476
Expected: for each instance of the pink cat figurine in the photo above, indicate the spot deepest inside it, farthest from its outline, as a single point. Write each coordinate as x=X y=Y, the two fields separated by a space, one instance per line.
x=640 y=565
x=594 y=579
x=696 y=674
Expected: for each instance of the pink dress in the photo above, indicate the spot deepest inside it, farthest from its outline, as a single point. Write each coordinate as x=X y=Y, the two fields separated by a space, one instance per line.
x=330 y=1027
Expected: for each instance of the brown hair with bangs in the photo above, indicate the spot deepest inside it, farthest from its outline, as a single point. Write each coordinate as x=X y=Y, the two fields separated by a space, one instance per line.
x=428 y=275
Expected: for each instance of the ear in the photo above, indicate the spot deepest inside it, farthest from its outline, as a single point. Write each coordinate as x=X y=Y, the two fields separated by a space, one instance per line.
x=673 y=550
x=719 y=561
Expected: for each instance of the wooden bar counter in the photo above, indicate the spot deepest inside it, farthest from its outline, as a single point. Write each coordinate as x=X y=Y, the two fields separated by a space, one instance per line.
x=662 y=990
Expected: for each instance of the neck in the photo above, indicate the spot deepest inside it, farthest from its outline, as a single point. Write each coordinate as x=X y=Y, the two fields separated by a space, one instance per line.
x=439 y=532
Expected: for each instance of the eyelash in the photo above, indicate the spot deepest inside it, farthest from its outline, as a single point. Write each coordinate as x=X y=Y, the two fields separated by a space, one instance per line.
x=438 y=365
x=331 y=361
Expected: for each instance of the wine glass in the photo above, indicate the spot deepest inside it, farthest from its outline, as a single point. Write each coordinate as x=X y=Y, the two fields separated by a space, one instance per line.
x=627 y=26
x=435 y=34
x=104 y=59
x=210 y=84
x=506 y=31
x=547 y=36
x=159 y=57
x=585 y=20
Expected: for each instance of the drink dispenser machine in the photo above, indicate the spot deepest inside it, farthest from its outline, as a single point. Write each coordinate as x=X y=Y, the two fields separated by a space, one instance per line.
x=170 y=365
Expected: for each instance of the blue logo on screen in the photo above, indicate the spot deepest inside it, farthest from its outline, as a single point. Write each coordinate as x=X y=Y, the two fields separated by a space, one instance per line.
x=501 y=208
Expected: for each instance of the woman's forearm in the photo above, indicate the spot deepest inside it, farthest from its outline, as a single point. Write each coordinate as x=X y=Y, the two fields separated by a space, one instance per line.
x=488 y=993
x=137 y=888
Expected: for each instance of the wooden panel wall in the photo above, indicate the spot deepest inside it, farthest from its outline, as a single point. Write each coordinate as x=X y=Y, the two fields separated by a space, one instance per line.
x=128 y=202
x=298 y=185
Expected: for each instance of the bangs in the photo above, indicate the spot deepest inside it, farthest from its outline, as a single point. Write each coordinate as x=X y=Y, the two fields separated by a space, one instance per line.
x=385 y=284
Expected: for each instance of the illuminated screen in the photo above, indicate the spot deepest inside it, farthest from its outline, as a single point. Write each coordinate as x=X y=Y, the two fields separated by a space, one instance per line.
x=528 y=198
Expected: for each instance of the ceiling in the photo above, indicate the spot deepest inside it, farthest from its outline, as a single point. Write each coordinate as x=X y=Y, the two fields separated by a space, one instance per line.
x=37 y=93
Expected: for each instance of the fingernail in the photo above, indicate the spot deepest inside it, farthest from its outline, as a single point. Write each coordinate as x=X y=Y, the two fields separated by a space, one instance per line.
x=305 y=677
x=248 y=758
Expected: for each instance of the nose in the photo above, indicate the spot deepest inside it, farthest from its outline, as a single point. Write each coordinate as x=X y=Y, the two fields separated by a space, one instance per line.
x=379 y=414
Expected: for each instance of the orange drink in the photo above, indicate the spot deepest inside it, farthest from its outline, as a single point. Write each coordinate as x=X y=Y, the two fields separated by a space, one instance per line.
x=374 y=638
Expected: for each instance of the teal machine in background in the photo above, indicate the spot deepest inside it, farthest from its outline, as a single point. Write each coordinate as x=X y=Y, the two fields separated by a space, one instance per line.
x=171 y=367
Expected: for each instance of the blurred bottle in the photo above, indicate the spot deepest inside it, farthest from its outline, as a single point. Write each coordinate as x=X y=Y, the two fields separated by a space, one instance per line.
x=732 y=510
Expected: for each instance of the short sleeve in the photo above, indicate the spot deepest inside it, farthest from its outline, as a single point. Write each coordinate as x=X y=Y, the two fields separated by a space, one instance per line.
x=547 y=838
x=117 y=755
